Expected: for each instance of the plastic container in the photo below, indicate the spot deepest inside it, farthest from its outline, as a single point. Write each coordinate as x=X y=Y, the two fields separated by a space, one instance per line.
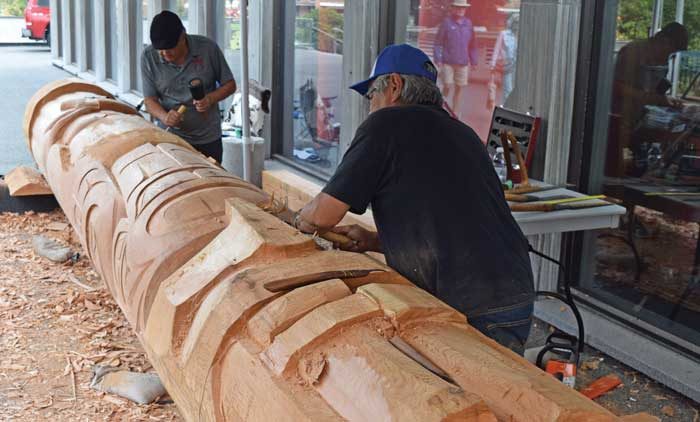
x=499 y=163
x=232 y=160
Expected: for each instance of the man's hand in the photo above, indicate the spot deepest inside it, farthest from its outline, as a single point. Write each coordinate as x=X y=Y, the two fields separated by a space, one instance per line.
x=203 y=104
x=173 y=119
x=364 y=240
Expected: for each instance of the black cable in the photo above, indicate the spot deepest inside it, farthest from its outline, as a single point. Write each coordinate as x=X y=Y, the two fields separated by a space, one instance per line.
x=567 y=299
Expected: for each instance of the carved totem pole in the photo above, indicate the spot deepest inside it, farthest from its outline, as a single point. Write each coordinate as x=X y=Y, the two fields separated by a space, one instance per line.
x=187 y=253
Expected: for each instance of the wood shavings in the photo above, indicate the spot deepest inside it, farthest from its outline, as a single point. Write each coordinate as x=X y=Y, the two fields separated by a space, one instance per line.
x=311 y=368
x=72 y=378
x=54 y=330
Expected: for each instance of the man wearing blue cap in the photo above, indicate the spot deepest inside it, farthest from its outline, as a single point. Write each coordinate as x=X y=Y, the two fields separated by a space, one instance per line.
x=438 y=204
x=173 y=59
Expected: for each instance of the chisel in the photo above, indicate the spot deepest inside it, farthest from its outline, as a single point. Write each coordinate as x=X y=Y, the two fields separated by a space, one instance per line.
x=180 y=110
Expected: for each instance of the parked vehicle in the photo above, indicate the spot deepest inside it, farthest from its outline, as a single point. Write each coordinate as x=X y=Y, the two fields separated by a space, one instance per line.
x=37 y=16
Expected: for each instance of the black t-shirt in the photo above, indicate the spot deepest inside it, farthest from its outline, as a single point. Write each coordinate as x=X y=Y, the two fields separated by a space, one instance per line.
x=439 y=207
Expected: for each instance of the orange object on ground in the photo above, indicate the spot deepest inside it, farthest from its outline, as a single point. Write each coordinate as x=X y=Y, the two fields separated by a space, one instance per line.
x=601 y=386
x=563 y=371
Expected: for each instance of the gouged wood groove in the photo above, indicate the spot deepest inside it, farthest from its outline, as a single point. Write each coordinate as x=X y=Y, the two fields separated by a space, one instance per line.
x=281 y=313
x=321 y=266
x=324 y=321
x=399 y=389
x=256 y=397
x=185 y=251
x=517 y=389
x=306 y=279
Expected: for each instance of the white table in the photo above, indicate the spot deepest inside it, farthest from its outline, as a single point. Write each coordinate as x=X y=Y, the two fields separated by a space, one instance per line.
x=532 y=223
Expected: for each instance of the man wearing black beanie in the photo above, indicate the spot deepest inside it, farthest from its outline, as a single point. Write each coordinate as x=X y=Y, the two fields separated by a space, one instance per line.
x=168 y=65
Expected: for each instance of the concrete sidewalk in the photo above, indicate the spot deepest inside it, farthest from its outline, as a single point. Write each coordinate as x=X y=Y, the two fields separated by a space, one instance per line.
x=23 y=70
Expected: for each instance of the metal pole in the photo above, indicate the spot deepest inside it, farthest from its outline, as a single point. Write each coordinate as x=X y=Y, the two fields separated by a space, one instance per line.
x=658 y=17
x=680 y=10
x=246 y=144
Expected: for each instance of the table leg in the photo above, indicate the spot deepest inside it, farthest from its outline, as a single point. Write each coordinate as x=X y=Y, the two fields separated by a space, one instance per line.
x=692 y=283
x=631 y=221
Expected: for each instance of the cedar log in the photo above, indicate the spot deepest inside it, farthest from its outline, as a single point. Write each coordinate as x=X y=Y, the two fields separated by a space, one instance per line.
x=185 y=251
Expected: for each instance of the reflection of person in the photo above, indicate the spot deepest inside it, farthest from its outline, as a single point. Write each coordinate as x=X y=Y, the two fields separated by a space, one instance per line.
x=455 y=50
x=505 y=55
x=167 y=66
x=430 y=228
x=639 y=81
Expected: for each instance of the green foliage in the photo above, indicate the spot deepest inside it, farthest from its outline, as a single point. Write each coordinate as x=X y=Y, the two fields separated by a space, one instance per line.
x=635 y=16
x=322 y=29
x=12 y=7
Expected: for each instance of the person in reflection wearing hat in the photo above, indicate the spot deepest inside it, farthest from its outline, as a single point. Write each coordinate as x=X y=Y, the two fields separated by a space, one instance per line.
x=173 y=59
x=441 y=216
x=455 y=50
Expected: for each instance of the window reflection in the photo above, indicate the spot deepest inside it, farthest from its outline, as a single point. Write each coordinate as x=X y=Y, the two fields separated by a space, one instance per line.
x=318 y=61
x=474 y=44
x=180 y=8
x=649 y=267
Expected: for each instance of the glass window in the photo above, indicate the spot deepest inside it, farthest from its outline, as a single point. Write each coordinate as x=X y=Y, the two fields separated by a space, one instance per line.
x=145 y=25
x=44 y=3
x=74 y=31
x=232 y=36
x=112 y=40
x=318 y=63
x=474 y=45
x=143 y=39
x=646 y=155
x=181 y=8
x=90 y=34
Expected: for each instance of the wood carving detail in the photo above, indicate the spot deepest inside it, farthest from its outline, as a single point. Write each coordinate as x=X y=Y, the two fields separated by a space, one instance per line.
x=186 y=252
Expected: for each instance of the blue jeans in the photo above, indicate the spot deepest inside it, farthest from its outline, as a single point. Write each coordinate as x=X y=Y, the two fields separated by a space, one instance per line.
x=508 y=325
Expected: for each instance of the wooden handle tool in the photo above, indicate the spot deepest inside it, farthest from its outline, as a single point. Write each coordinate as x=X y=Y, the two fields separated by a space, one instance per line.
x=180 y=110
x=287 y=215
x=505 y=143
x=521 y=160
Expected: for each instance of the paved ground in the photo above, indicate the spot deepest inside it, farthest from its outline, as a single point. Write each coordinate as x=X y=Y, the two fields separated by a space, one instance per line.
x=23 y=70
x=638 y=393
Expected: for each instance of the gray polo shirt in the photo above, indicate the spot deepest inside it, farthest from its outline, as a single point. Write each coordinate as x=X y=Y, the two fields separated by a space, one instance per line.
x=169 y=83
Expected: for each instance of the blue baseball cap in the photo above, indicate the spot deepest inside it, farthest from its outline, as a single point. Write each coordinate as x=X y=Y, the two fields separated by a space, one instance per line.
x=399 y=58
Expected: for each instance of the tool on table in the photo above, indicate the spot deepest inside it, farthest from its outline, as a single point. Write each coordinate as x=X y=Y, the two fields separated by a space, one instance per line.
x=562 y=204
x=279 y=209
x=520 y=189
x=683 y=194
x=519 y=175
x=180 y=110
x=514 y=197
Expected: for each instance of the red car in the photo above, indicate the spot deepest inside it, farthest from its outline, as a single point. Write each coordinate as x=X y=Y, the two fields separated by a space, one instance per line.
x=37 y=16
